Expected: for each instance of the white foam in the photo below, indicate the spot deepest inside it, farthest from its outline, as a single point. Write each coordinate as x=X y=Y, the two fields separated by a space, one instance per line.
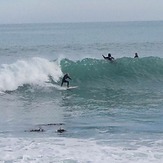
x=33 y=71
x=75 y=150
x=58 y=87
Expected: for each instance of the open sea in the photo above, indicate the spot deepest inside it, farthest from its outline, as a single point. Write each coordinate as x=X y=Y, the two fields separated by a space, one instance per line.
x=115 y=115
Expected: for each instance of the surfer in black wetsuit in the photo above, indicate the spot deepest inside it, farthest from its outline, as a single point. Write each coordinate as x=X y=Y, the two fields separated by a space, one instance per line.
x=136 y=55
x=66 y=76
x=109 y=57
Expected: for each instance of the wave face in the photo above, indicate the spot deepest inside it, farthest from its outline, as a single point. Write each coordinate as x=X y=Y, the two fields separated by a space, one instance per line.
x=35 y=71
x=123 y=71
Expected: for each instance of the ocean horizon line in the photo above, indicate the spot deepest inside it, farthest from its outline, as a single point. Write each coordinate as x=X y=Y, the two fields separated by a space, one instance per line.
x=82 y=22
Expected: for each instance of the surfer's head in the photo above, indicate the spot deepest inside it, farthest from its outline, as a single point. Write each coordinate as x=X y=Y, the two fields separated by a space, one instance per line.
x=109 y=55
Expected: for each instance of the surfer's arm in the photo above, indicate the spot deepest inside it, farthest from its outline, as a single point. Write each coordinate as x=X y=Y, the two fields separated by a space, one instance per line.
x=104 y=57
x=69 y=78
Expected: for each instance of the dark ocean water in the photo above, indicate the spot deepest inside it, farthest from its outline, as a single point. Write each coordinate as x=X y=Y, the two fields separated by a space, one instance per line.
x=115 y=113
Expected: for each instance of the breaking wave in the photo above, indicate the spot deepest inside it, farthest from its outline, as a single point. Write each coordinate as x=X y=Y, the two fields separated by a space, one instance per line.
x=94 y=72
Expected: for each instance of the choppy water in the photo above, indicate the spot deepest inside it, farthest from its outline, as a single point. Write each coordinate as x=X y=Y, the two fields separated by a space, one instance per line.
x=115 y=114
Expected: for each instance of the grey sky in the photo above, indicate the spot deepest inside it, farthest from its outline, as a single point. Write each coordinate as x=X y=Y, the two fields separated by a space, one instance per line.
x=39 y=11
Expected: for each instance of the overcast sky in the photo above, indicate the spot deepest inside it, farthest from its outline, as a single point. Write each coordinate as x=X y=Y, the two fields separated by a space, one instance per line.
x=40 y=11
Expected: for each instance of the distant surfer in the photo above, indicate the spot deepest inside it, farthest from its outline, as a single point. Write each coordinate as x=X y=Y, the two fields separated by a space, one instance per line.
x=36 y=130
x=60 y=130
x=136 y=55
x=109 y=57
x=66 y=76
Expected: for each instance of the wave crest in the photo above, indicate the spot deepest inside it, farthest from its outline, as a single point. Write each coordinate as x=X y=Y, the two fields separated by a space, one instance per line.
x=33 y=71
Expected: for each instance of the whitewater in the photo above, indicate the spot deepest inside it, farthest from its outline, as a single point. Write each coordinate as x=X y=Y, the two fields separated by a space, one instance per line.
x=115 y=113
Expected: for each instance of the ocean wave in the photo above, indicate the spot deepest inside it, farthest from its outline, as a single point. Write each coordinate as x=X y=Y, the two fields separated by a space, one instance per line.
x=85 y=72
x=122 y=70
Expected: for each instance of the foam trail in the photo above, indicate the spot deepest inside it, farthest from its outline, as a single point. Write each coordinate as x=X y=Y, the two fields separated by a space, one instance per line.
x=33 y=71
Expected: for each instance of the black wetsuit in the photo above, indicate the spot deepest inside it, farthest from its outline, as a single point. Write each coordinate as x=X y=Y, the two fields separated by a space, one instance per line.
x=65 y=81
x=110 y=58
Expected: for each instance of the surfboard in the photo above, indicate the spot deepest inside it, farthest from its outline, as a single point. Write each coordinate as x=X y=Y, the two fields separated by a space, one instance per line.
x=58 y=87
x=72 y=87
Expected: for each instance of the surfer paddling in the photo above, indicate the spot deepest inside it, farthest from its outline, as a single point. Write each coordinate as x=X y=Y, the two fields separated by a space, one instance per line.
x=66 y=76
x=109 y=57
x=136 y=55
x=61 y=130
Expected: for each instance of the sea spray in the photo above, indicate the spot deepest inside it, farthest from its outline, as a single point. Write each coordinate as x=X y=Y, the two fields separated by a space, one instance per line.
x=33 y=71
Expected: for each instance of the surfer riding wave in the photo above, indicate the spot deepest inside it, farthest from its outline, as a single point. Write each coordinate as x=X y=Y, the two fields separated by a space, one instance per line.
x=66 y=76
